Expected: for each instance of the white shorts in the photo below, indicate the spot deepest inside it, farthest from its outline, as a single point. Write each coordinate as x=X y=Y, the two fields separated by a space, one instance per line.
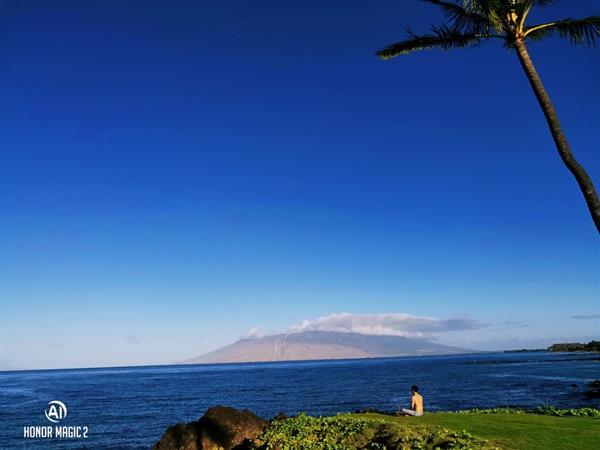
x=411 y=412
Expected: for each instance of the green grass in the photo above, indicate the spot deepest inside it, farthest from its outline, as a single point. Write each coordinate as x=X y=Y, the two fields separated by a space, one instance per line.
x=512 y=431
x=545 y=428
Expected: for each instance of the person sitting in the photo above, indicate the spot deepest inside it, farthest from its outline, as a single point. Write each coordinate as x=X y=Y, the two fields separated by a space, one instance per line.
x=416 y=406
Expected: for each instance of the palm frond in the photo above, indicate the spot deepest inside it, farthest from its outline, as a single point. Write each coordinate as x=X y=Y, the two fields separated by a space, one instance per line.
x=461 y=19
x=493 y=10
x=440 y=37
x=505 y=4
x=579 y=31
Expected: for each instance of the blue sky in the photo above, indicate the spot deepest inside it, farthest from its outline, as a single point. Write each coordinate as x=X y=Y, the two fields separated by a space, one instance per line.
x=176 y=173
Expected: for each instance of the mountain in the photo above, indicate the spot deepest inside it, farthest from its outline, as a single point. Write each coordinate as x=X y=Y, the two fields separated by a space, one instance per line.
x=309 y=345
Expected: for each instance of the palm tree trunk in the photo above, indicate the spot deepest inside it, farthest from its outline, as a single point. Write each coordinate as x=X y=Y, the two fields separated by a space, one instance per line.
x=583 y=179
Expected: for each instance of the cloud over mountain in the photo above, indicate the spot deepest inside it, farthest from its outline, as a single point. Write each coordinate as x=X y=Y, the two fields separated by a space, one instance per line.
x=253 y=333
x=390 y=324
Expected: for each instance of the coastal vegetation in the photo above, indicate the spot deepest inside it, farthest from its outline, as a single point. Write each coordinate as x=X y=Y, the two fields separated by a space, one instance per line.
x=547 y=428
x=542 y=410
x=345 y=432
x=477 y=429
x=592 y=346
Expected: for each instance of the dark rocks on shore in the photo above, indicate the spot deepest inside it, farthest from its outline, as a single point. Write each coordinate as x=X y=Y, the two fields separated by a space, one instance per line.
x=281 y=416
x=593 y=390
x=369 y=410
x=220 y=428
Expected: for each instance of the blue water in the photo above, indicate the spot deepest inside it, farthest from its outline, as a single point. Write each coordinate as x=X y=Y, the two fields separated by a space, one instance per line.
x=131 y=407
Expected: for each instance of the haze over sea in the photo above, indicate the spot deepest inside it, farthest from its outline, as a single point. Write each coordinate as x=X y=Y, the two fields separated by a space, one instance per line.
x=130 y=407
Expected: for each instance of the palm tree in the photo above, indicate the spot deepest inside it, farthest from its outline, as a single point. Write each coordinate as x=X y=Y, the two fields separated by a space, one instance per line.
x=471 y=22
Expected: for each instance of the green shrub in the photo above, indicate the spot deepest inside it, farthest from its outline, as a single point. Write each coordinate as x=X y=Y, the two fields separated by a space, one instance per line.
x=542 y=410
x=311 y=433
x=574 y=412
x=350 y=433
x=492 y=411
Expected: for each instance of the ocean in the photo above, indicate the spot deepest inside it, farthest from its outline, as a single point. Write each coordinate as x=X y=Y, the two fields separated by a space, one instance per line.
x=130 y=407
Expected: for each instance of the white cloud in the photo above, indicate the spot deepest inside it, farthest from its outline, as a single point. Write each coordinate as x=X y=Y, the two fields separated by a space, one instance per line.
x=391 y=324
x=253 y=333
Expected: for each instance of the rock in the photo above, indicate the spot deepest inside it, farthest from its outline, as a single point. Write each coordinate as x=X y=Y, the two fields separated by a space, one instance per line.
x=368 y=410
x=281 y=416
x=592 y=394
x=180 y=437
x=594 y=390
x=220 y=428
x=230 y=428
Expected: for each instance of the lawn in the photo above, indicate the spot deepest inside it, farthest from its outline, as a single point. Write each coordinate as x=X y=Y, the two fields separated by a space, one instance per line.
x=496 y=429
x=512 y=431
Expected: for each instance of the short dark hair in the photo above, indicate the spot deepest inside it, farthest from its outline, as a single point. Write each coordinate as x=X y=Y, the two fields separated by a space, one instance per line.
x=415 y=388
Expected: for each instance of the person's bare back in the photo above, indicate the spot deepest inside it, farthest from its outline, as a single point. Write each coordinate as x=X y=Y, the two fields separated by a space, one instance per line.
x=416 y=404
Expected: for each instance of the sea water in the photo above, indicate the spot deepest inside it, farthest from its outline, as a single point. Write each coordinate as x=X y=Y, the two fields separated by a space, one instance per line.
x=130 y=407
